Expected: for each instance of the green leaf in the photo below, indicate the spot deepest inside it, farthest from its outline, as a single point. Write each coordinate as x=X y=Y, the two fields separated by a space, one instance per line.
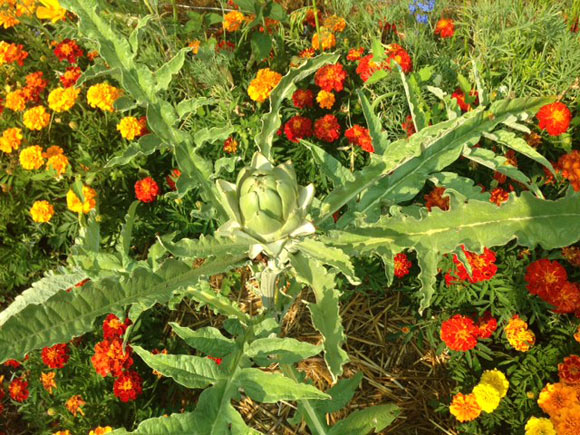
x=462 y=185
x=192 y=105
x=271 y=121
x=330 y=256
x=331 y=167
x=266 y=351
x=378 y=135
x=171 y=425
x=124 y=104
x=203 y=293
x=376 y=77
x=413 y=94
x=206 y=246
x=95 y=71
x=127 y=231
x=212 y=135
x=373 y=419
x=166 y=72
x=136 y=34
x=187 y=370
x=208 y=340
x=146 y=146
x=273 y=387
x=261 y=44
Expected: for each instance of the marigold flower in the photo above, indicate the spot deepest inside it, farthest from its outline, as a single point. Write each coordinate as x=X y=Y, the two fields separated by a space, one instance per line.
x=367 y=66
x=355 y=54
x=10 y=53
x=11 y=139
x=127 y=387
x=327 y=128
x=59 y=163
x=68 y=50
x=566 y=299
x=486 y=326
x=18 y=390
x=36 y=118
x=74 y=203
x=7 y=20
x=544 y=278
x=110 y=358
x=554 y=118
x=55 y=357
x=262 y=86
x=402 y=265
x=48 y=382
x=335 y=23
x=16 y=100
x=129 y=127
x=308 y=53
x=63 y=99
x=445 y=28
x=459 y=333
x=568 y=422
x=36 y=84
x=103 y=96
x=569 y=167
x=459 y=96
x=539 y=426
x=42 y=211
x=518 y=334
x=325 y=99
x=331 y=77
x=195 y=44
x=310 y=18
x=172 y=178
x=298 y=127
x=572 y=255
x=323 y=40
x=70 y=76
x=303 y=98
x=113 y=327
x=62 y=432
x=409 y=126
x=146 y=190
x=233 y=21
x=497 y=380
x=75 y=404
x=465 y=407
x=577 y=335
x=50 y=10
x=101 y=430
x=31 y=158
x=569 y=370
x=499 y=196
x=555 y=397
x=487 y=397
x=12 y=363
x=483 y=267
x=361 y=137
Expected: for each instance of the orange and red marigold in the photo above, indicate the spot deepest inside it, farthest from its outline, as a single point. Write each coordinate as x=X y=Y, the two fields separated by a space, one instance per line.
x=499 y=196
x=483 y=267
x=569 y=167
x=113 y=327
x=327 y=129
x=75 y=405
x=128 y=386
x=70 y=76
x=172 y=178
x=298 y=127
x=55 y=357
x=110 y=358
x=518 y=335
x=436 y=199
x=459 y=96
x=331 y=77
x=445 y=28
x=554 y=118
x=402 y=265
x=68 y=50
x=18 y=390
x=146 y=190
x=303 y=98
x=367 y=66
x=464 y=407
x=544 y=278
x=459 y=333
x=360 y=136
x=569 y=370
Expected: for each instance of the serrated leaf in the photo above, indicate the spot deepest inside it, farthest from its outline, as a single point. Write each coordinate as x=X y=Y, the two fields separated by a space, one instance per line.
x=166 y=72
x=212 y=135
x=173 y=424
x=137 y=31
x=378 y=135
x=330 y=256
x=146 y=146
x=95 y=71
x=203 y=293
x=206 y=246
x=127 y=231
x=330 y=166
x=373 y=419
x=208 y=340
x=192 y=105
x=413 y=94
x=266 y=351
x=462 y=185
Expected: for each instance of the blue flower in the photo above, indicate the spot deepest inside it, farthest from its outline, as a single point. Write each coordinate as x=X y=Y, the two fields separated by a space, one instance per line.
x=422 y=18
x=412 y=8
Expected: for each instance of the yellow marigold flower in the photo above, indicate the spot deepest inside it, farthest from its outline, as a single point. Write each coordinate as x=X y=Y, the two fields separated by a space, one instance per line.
x=41 y=211
x=10 y=139
x=51 y=10
x=103 y=96
x=261 y=87
x=25 y=7
x=16 y=100
x=540 y=426
x=233 y=21
x=101 y=430
x=63 y=99
x=52 y=151
x=62 y=432
x=323 y=40
x=464 y=407
x=36 y=118
x=325 y=99
x=195 y=44
x=518 y=334
x=31 y=158
x=129 y=127
x=59 y=163
x=487 y=397
x=7 y=20
x=75 y=404
x=48 y=381
x=74 y=203
x=555 y=397
x=335 y=23
x=496 y=379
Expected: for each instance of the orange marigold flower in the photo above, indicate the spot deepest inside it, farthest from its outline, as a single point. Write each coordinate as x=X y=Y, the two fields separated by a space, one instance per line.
x=36 y=118
x=486 y=326
x=367 y=66
x=262 y=86
x=36 y=82
x=327 y=128
x=518 y=334
x=63 y=99
x=113 y=327
x=74 y=203
x=436 y=199
x=11 y=139
x=50 y=10
x=566 y=299
x=331 y=77
x=231 y=145
x=10 y=53
x=402 y=265
x=173 y=176
x=545 y=278
x=68 y=50
x=298 y=127
x=42 y=211
x=48 y=382
x=75 y=404
x=577 y=336
x=110 y=358
x=323 y=40
x=568 y=422
x=233 y=21
x=499 y=196
x=31 y=158
x=52 y=151
x=62 y=432
x=355 y=54
x=16 y=100
x=195 y=44
x=18 y=390
x=569 y=370
x=555 y=397
x=129 y=127
x=325 y=99
x=103 y=96
x=569 y=167
x=7 y=20
x=146 y=190
x=361 y=137
x=483 y=267
x=70 y=76
x=459 y=96
x=335 y=23
x=308 y=53
x=59 y=163
x=101 y=430
x=554 y=118
x=55 y=357
x=445 y=28
x=303 y=98
x=127 y=386
x=570 y=253
x=464 y=407
x=459 y=333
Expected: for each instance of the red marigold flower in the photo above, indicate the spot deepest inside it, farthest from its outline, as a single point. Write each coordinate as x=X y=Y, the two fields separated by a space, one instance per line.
x=55 y=357
x=310 y=19
x=172 y=178
x=486 y=326
x=35 y=85
x=70 y=76
x=113 y=327
x=218 y=361
x=445 y=28
x=298 y=127
x=307 y=53
x=110 y=358
x=566 y=299
x=327 y=128
x=331 y=77
x=402 y=265
x=545 y=278
x=68 y=50
x=128 y=386
x=459 y=96
x=569 y=370
x=483 y=267
x=355 y=54
x=367 y=66
x=409 y=126
x=12 y=363
x=554 y=118
x=459 y=333
x=303 y=98
x=499 y=196
x=225 y=45
x=436 y=199
x=569 y=167
x=360 y=136
x=18 y=390
x=146 y=190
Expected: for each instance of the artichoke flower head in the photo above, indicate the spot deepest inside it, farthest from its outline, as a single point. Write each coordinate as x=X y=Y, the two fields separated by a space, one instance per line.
x=266 y=205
